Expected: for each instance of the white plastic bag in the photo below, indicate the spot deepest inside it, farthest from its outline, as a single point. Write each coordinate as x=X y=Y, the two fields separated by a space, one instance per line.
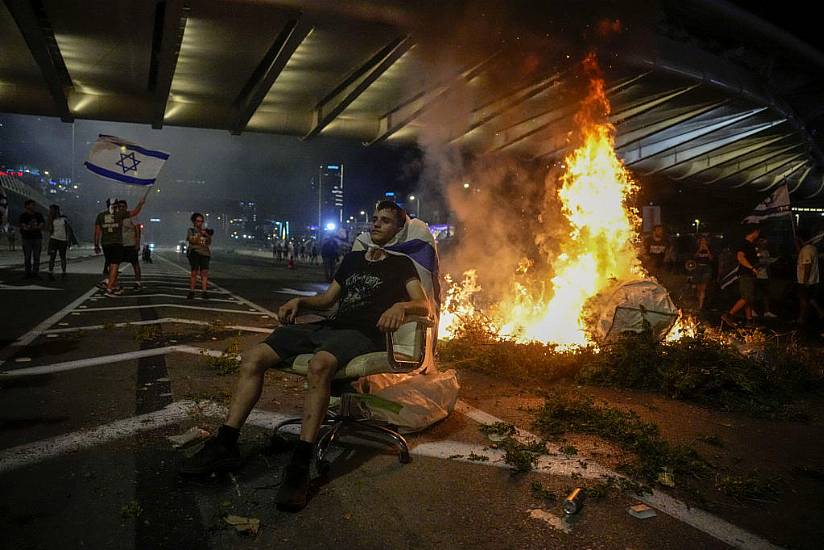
x=412 y=402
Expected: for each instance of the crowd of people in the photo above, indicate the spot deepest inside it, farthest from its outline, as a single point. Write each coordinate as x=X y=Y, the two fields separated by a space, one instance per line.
x=329 y=253
x=767 y=284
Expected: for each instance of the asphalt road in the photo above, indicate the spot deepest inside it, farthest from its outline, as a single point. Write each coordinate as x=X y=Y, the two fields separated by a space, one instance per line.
x=92 y=386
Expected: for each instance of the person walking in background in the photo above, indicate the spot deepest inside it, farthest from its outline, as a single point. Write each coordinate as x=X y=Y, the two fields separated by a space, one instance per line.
x=31 y=224
x=290 y=255
x=762 y=278
x=656 y=248
x=147 y=254
x=58 y=228
x=329 y=251
x=199 y=240
x=131 y=244
x=703 y=269
x=808 y=277
x=11 y=237
x=747 y=259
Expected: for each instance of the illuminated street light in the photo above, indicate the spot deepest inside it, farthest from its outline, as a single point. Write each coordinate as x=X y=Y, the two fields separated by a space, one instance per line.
x=466 y=186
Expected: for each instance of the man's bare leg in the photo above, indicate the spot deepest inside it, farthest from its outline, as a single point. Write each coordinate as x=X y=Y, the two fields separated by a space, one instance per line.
x=322 y=369
x=204 y=279
x=113 y=271
x=249 y=386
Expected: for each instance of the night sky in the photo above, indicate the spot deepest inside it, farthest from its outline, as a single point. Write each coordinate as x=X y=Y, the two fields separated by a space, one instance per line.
x=272 y=170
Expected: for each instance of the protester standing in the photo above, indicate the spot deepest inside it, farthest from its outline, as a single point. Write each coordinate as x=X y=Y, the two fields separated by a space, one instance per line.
x=762 y=278
x=131 y=244
x=31 y=224
x=58 y=228
x=808 y=277
x=199 y=240
x=11 y=236
x=703 y=269
x=656 y=248
x=747 y=258
x=108 y=233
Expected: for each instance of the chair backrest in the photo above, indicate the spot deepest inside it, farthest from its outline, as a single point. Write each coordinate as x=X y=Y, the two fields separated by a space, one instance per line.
x=410 y=341
x=416 y=242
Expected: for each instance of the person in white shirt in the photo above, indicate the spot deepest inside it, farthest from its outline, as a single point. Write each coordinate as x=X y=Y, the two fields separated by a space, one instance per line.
x=808 y=278
x=58 y=228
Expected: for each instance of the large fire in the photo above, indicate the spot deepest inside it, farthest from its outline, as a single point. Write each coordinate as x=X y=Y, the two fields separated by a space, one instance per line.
x=598 y=246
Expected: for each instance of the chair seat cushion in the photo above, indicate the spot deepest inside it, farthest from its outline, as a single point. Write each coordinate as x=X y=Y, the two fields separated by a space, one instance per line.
x=362 y=365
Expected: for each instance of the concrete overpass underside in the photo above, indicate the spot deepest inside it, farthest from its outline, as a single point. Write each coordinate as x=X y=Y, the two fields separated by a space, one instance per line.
x=691 y=100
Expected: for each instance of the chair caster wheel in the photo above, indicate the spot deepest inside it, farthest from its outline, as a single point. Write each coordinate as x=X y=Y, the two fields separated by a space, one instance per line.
x=404 y=458
x=279 y=444
x=323 y=467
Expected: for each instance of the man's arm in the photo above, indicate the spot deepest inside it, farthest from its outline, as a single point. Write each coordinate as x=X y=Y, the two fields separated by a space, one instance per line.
x=742 y=260
x=394 y=317
x=289 y=310
x=806 y=269
x=138 y=208
x=98 y=233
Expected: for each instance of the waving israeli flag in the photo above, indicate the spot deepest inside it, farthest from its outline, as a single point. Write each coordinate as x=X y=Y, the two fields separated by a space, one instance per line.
x=120 y=160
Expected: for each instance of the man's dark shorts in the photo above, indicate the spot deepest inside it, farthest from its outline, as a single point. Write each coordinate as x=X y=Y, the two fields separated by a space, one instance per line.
x=746 y=286
x=113 y=253
x=198 y=261
x=130 y=254
x=345 y=344
x=807 y=292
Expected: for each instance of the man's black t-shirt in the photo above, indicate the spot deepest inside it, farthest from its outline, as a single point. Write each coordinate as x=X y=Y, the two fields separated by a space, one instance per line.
x=368 y=289
x=751 y=254
x=657 y=251
x=25 y=220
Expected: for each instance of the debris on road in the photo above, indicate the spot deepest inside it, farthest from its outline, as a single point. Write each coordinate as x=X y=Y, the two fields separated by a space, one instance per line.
x=243 y=525
x=641 y=511
x=574 y=501
x=550 y=519
x=186 y=438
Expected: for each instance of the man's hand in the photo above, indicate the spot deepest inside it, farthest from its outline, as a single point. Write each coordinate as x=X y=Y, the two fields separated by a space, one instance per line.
x=288 y=311
x=392 y=318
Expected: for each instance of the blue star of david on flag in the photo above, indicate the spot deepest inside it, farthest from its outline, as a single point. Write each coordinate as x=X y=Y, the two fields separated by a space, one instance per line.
x=124 y=162
x=117 y=159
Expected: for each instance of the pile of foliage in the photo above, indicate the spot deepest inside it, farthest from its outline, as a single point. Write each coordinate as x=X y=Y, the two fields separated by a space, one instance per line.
x=746 y=372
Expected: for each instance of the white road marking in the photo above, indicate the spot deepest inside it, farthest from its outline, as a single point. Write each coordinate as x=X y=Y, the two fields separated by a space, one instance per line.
x=296 y=292
x=165 y=320
x=26 y=287
x=161 y=295
x=30 y=453
x=108 y=359
x=178 y=306
x=241 y=299
x=552 y=520
x=27 y=338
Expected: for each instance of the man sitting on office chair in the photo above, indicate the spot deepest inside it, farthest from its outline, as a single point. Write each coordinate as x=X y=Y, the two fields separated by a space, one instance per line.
x=375 y=292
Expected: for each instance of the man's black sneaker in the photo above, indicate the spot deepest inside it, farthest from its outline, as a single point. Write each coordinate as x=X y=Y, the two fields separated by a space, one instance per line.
x=214 y=456
x=204 y=295
x=294 y=488
x=191 y=295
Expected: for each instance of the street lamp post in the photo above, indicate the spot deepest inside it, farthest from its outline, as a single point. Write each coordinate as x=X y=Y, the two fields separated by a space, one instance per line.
x=417 y=205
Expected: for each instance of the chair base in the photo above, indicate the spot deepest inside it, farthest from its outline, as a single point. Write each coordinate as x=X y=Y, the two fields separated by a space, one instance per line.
x=338 y=422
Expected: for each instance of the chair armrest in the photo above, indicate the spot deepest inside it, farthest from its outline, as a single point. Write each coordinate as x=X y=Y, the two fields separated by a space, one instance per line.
x=401 y=365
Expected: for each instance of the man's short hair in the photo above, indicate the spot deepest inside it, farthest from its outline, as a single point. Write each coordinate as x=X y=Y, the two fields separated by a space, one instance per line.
x=400 y=213
x=28 y=202
x=750 y=227
x=197 y=215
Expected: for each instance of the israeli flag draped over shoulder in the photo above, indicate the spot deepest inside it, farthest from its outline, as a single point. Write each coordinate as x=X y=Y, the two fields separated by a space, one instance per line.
x=122 y=161
x=416 y=242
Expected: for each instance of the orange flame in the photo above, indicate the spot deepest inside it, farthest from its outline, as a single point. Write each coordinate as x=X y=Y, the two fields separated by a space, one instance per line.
x=598 y=248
